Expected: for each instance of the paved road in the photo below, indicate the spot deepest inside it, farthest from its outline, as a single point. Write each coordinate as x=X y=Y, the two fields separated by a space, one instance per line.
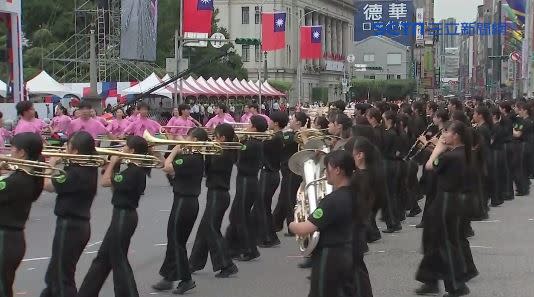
x=502 y=248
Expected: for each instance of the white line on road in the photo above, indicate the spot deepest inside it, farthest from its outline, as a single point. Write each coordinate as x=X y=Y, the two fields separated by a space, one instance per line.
x=295 y=256
x=481 y=247
x=93 y=244
x=31 y=268
x=531 y=219
x=491 y=221
x=160 y=244
x=165 y=210
x=35 y=259
x=92 y=252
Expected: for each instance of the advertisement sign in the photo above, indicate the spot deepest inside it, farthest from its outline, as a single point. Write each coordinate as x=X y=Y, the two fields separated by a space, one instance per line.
x=394 y=13
x=419 y=18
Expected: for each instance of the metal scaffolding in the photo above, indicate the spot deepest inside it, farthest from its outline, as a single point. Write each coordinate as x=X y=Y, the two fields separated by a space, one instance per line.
x=69 y=62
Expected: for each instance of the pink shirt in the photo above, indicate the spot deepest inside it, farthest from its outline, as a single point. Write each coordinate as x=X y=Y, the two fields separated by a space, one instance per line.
x=216 y=120
x=3 y=135
x=139 y=126
x=180 y=121
x=246 y=117
x=91 y=126
x=102 y=121
x=117 y=127
x=34 y=126
x=133 y=118
x=60 y=123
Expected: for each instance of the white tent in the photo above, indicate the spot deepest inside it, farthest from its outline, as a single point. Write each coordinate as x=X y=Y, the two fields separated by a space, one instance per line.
x=147 y=84
x=3 y=89
x=44 y=84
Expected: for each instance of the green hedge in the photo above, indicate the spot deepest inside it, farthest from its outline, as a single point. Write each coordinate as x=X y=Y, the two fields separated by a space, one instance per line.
x=378 y=89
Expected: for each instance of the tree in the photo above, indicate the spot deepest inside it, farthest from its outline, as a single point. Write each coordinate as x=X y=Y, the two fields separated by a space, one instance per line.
x=378 y=89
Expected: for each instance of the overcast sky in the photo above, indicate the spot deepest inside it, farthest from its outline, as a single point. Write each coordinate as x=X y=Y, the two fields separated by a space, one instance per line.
x=462 y=10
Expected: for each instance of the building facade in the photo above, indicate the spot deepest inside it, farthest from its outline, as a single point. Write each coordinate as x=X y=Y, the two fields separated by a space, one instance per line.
x=242 y=19
x=392 y=57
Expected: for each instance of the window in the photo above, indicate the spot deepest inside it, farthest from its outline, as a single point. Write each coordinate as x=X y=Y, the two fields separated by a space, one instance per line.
x=245 y=15
x=245 y=53
x=258 y=54
x=369 y=76
x=257 y=15
x=399 y=77
x=394 y=59
x=391 y=76
x=369 y=58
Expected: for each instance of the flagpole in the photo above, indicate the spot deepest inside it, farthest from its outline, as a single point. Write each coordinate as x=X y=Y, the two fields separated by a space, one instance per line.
x=258 y=63
x=179 y=51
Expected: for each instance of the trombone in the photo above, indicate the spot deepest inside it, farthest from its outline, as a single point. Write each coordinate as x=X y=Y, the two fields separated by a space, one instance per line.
x=242 y=135
x=81 y=160
x=147 y=161
x=309 y=133
x=33 y=168
x=188 y=147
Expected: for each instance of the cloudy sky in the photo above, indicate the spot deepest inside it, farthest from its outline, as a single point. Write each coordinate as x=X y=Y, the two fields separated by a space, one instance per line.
x=462 y=10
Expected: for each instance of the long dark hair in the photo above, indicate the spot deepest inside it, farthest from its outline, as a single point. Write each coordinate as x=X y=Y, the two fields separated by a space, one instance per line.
x=368 y=183
x=140 y=147
x=486 y=115
x=465 y=134
x=32 y=145
x=83 y=142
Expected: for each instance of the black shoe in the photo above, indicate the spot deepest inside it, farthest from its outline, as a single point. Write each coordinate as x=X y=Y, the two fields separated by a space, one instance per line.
x=306 y=264
x=269 y=244
x=392 y=229
x=227 y=272
x=460 y=292
x=496 y=204
x=428 y=289
x=194 y=269
x=162 y=285
x=373 y=238
x=184 y=286
x=519 y=194
x=247 y=257
x=414 y=212
x=469 y=233
x=420 y=225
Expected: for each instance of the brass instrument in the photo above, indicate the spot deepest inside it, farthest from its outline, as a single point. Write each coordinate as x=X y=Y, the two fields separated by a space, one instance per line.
x=13 y=164
x=81 y=160
x=428 y=145
x=308 y=133
x=189 y=147
x=309 y=164
x=416 y=145
x=242 y=135
x=147 y=161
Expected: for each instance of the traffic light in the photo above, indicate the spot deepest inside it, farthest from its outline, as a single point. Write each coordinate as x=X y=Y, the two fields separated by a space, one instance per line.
x=374 y=68
x=248 y=41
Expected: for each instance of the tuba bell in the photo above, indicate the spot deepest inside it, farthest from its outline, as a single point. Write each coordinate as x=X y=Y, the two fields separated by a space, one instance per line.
x=309 y=164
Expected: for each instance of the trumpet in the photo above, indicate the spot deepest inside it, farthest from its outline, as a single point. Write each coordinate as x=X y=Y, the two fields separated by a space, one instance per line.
x=81 y=160
x=147 y=161
x=33 y=168
x=188 y=147
x=309 y=133
x=163 y=129
x=242 y=135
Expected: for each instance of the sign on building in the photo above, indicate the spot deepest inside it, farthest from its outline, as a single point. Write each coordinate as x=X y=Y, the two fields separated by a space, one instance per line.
x=370 y=14
x=420 y=19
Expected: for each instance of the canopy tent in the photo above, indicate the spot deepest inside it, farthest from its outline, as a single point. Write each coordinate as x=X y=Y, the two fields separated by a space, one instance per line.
x=44 y=84
x=148 y=83
x=3 y=88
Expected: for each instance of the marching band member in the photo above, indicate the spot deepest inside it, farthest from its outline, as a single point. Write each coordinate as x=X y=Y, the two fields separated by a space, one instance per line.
x=4 y=133
x=86 y=123
x=17 y=193
x=61 y=121
x=143 y=122
x=99 y=118
x=290 y=181
x=269 y=180
x=132 y=113
x=75 y=193
x=118 y=125
x=188 y=170
x=209 y=237
x=128 y=186
x=220 y=117
x=254 y=110
x=507 y=123
x=520 y=133
x=245 y=118
x=240 y=231
x=27 y=120
x=340 y=126
x=443 y=257
x=332 y=262
x=181 y=117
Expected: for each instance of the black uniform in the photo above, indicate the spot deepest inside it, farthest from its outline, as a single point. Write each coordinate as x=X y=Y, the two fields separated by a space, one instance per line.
x=392 y=212
x=76 y=191
x=520 y=152
x=500 y=177
x=188 y=174
x=17 y=193
x=332 y=262
x=443 y=254
x=269 y=180
x=507 y=127
x=288 y=186
x=128 y=186
x=209 y=237
x=240 y=232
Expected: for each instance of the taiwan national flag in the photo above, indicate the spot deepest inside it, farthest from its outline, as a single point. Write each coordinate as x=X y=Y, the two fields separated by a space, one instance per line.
x=197 y=16
x=273 y=27
x=310 y=42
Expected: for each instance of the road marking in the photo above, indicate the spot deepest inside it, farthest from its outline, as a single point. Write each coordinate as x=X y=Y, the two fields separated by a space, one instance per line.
x=153 y=293
x=165 y=210
x=492 y=221
x=93 y=244
x=481 y=247
x=21 y=293
x=412 y=225
x=531 y=219
x=160 y=244
x=91 y=252
x=31 y=268
x=295 y=256
x=35 y=259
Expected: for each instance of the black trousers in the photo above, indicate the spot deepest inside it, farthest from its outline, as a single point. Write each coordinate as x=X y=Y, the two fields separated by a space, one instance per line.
x=443 y=256
x=240 y=232
x=113 y=256
x=362 y=282
x=429 y=178
x=181 y=221
x=70 y=239
x=508 y=182
x=332 y=272
x=12 y=249
x=209 y=237
x=261 y=211
x=391 y=210
x=499 y=176
x=284 y=210
x=519 y=167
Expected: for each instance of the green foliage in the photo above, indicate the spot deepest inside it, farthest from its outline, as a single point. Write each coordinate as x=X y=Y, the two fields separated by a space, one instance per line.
x=320 y=94
x=378 y=89
x=281 y=85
